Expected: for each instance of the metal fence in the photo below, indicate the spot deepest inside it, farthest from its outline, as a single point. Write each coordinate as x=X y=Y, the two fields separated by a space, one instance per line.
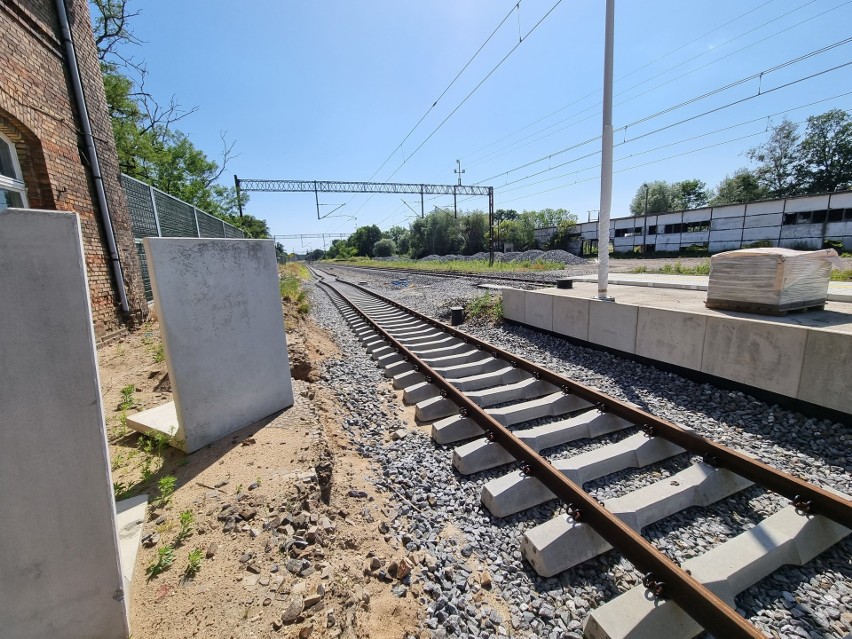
x=157 y=214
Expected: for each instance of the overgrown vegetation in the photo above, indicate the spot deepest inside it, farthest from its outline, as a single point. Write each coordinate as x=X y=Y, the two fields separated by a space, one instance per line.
x=166 y=486
x=678 y=268
x=841 y=275
x=460 y=266
x=150 y=147
x=486 y=307
x=292 y=277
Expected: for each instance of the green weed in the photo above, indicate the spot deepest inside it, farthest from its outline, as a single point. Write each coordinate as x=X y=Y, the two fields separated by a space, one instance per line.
x=166 y=485
x=165 y=558
x=160 y=354
x=486 y=307
x=838 y=275
x=120 y=489
x=193 y=565
x=127 y=400
x=186 y=519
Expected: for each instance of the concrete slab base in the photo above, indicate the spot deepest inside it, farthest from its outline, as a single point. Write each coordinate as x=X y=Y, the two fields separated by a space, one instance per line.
x=561 y=543
x=161 y=419
x=515 y=492
x=784 y=538
x=129 y=522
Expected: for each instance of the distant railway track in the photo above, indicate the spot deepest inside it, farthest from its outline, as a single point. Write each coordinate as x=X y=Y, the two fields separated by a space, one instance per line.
x=543 y=281
x=474 y=393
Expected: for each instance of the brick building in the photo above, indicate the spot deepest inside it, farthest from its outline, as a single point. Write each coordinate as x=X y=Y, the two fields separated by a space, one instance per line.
x=45 y=155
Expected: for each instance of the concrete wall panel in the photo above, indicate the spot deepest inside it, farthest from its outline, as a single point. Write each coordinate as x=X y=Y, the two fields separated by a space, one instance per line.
x=671 y=336
x=734 y=210
x=223 y=332
x=762 y=208
x=59 y=557
x=841 y=200
x=827 y=370
x=770 y=219
x=514 y=305
x=571 y=316
x=810 y=203
x=725 y=223
x=760 y=354
x=539 y=310
x=697 y=215
x=613 y=325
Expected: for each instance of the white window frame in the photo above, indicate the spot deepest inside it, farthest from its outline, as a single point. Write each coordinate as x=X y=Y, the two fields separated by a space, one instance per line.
x=15 y=184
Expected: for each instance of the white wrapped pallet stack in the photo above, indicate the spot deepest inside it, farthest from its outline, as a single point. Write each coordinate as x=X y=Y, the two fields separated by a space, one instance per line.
x=769 y=280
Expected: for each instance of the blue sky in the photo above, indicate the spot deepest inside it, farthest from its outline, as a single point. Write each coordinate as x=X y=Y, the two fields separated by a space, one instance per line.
x=329 y=90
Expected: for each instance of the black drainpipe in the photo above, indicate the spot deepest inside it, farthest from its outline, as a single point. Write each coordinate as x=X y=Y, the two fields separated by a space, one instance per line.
x=91 y=151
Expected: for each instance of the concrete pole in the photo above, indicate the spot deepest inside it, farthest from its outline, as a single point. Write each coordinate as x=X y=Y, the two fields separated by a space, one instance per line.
x=606 y=158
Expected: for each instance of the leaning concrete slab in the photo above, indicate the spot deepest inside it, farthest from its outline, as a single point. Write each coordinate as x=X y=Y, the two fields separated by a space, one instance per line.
x=784 y=538
x=223 y=332
x=129 y=520
x=59 y=558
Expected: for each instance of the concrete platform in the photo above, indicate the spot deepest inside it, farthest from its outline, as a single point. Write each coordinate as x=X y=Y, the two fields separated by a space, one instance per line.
x=801 y=360
x=129 y=521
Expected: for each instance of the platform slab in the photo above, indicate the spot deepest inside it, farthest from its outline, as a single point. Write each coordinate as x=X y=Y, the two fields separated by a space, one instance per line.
x=59 y=557
x=223 y=333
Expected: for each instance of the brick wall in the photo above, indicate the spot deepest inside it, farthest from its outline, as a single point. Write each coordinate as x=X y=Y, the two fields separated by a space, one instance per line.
x=38 y=113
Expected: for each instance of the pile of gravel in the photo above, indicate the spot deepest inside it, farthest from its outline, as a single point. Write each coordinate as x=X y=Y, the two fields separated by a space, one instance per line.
x=809 y=602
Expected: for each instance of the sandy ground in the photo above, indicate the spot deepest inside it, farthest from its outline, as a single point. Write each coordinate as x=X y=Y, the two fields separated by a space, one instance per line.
x=304 y=520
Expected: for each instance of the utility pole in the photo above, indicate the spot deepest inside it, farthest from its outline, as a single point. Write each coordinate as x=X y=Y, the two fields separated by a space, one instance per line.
x=458 y=170
x=606 y=157
x=645 y=225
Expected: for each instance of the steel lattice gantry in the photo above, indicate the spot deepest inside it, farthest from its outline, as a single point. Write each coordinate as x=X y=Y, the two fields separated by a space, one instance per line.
x=329 y=186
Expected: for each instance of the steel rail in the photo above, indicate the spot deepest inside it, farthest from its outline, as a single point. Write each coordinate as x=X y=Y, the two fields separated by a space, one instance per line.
x=808 y=498
x=663 y=577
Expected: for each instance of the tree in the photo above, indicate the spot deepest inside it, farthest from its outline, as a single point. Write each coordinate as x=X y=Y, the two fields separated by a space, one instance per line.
x=316 y=254
x=399 y=235
x=779 y=160
x=364 y=238
x=742 y=186
x=564 y=230
x=340 y=249
x=659 y=198
x=473 y=227
x=149 y=147
x=690 y=194
x=384 y=248
x=438 y=233
x=826 y=153
x=252 y=226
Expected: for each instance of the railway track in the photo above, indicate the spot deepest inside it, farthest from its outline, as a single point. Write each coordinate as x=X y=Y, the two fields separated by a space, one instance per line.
x=478 y=397
x=543 y=282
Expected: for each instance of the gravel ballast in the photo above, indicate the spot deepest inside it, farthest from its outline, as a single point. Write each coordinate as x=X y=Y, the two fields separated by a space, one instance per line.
x=811 y=601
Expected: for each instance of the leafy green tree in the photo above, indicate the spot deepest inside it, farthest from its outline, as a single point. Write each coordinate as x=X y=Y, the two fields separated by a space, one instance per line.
x=384 y=248
x=252 y=226
x=364 y=238
x=149 y=147
x=778 y=160
x=438 y=233
x=399 y=235
x=316 y=254
x=340 y=249
x=473 y=227
x=742 y=186
x=659 y=194
x=826 y=153
x=564 y=230
x=690 y=194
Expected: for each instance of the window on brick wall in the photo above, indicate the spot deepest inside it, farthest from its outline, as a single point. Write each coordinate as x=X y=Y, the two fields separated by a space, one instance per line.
x=13 y=192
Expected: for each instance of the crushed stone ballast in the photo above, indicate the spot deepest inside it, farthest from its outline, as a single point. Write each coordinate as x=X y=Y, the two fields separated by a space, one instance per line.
x=451 y=376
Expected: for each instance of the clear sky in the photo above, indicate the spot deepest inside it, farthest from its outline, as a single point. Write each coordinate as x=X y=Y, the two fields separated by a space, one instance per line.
x=330 y=91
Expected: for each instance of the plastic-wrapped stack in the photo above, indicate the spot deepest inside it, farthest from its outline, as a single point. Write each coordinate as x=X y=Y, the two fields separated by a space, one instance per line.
x=769 y=280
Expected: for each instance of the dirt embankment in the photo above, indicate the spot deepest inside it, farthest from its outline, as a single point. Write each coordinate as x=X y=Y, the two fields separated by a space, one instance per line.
x=283 y=522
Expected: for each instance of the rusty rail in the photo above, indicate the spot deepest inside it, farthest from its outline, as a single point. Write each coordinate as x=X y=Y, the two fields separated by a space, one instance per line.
x=810 y=499
x=662 y=576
